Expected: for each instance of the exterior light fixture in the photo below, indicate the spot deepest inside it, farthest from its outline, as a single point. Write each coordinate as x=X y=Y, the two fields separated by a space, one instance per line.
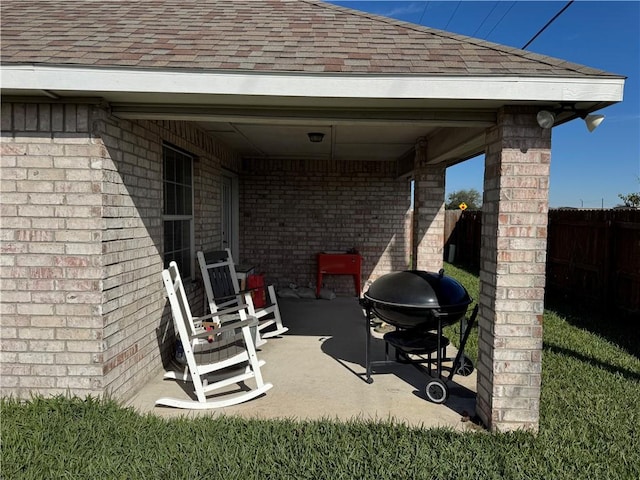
x=546 y=118
x=315 y=137
x=593 y=121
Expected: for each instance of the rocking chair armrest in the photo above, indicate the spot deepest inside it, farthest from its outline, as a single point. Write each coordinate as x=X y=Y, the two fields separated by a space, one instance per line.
x=227 y=318
x=220 y=313
x=250 y=322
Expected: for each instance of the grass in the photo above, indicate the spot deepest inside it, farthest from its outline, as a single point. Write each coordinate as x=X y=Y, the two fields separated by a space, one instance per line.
x=590 y=417
x=472 y=284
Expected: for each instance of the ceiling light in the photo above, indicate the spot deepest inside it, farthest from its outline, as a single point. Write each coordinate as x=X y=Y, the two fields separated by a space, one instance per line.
x=315 y=137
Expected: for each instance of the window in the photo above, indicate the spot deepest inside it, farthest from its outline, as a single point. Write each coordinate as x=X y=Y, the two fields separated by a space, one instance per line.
x=178 y=209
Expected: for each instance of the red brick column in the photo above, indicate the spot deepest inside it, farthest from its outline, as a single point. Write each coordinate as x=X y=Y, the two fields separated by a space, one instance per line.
x=512 y=271
x=428 y=213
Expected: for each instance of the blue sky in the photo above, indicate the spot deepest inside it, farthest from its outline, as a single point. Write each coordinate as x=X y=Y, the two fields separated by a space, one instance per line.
x=587 y=169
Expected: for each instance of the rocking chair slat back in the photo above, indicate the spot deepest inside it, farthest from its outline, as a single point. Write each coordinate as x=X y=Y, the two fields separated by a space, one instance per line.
x=223 y=289
x=217 y=267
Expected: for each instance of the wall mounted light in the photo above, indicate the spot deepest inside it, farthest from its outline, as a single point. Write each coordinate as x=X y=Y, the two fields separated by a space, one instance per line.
x=547 y=118
x=593 y=121
x=315 y=137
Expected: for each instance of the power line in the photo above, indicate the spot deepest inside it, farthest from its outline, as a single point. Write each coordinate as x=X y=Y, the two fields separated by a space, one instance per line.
x=426 y=5
x=500 y=21
x=548 y=23
x=452 y=15
x=485 y=19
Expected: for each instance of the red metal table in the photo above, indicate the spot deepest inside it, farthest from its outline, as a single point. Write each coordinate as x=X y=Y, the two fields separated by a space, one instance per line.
x=339 y=264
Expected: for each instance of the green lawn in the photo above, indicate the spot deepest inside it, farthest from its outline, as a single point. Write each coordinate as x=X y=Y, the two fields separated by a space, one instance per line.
x=589 y=429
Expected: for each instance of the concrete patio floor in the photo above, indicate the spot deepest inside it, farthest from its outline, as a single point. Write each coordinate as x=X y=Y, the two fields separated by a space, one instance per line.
x=318 y=372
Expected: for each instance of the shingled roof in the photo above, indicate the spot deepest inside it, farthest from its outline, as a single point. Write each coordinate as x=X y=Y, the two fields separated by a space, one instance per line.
x=269 y=35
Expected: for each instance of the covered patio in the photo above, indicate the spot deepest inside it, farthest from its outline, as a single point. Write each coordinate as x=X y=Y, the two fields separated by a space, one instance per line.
x=318 y=372
x=135 y=133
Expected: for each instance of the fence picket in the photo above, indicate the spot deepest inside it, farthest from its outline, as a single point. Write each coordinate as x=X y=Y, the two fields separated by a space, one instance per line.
x=592 y=255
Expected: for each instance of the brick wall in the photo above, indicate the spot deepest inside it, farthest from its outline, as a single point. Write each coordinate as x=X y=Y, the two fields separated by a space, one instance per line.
x=290 y=210
x=51 y=250
x=512 y=271
x=138 y=326
x=83 y=306
x=131 y=247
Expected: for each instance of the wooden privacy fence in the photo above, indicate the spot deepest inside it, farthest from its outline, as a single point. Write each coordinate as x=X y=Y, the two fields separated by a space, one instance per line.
x=592 y=255
x=462 y=234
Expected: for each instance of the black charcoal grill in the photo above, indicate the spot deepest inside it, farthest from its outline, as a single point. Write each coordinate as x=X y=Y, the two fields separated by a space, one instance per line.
x=419 y=304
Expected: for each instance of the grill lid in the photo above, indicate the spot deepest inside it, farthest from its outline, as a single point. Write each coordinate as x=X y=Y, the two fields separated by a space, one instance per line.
x=418 y=289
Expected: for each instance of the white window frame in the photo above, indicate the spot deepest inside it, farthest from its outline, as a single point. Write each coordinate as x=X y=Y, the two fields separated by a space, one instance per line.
x=189 y=218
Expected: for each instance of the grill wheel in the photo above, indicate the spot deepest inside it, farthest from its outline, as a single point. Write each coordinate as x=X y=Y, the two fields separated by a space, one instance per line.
x=466 y=367
x=437 y=391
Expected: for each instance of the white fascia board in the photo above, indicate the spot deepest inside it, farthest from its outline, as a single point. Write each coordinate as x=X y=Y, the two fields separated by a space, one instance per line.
x=319 y=85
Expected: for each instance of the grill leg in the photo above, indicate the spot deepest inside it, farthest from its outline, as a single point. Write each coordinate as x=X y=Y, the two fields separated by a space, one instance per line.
x=367 y=357
x=463 y=342
x=439 y=349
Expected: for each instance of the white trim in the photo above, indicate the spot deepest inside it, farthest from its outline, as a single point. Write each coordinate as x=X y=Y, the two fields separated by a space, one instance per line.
x=181 y=217
x=320 y=85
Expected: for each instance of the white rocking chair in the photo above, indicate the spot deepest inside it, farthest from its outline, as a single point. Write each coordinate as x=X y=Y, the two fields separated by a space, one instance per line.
x=226 y=349
x=221 y=282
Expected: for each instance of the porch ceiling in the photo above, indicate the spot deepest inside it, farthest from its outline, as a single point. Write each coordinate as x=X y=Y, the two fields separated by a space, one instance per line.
x=354 y=128
x=261 y=75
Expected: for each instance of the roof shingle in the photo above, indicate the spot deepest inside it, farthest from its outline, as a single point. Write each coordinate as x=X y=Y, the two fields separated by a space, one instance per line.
x=266 y=35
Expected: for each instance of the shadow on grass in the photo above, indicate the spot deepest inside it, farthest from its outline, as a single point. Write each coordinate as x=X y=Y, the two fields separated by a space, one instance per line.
x=553 y=348
x=619 y=328
x=616 y=327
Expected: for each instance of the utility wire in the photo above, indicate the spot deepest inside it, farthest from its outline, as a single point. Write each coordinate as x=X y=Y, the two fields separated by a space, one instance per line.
x=548 y=23
x=500 y=21
x=485 y=19
x=426 y=5
x=452 y=15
